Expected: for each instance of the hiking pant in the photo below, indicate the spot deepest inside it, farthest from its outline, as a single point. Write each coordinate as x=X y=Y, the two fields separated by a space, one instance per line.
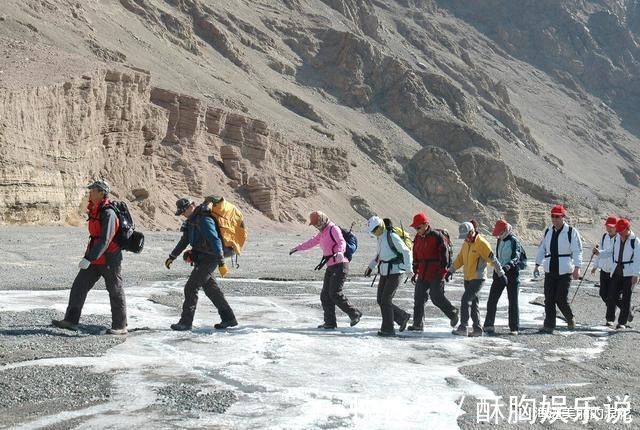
x=421 y=295
x=497 y=287
x=387 y=287
x=202 y=276
x=470 y=300
x=332 y=295
x=556 y=292
x=84 y=282
x=606 y=281
x=619 y=284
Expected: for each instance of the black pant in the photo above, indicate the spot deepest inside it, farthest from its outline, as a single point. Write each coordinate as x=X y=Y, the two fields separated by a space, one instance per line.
x=556 y=292
x=605 y=284
x=421 y=296
x=470 y=300
x=387 y=287
x=497 y=287
x=619 y=284
x=84 y=282
x=332 y=295
x=202 y=276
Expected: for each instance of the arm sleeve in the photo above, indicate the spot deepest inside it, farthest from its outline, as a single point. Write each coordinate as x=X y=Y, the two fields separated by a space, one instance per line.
x=108 y=222
x=487 y=253
x=209 y=231
x=458 y=262
x=514 y=261
x=314 y=241
x=541 y=251
x=576 y=248
x=182 y=244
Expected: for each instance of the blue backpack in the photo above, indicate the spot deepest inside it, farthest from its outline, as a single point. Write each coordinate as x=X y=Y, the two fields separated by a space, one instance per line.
x=351 y=242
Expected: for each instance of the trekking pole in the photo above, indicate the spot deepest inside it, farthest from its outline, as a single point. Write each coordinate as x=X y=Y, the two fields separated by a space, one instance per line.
x=581 y=279
x=374 y=280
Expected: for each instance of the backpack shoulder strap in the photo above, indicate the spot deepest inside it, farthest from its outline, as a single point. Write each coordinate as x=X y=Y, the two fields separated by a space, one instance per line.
x=390 y=242
x=569 y=234
x=602 y=240
x=633 y=243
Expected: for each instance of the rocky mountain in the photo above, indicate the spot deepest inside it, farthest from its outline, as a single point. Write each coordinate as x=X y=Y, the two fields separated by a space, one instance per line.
x=466 y=109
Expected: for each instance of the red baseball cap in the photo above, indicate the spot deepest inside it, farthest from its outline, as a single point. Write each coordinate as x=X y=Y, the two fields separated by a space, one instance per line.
x=558 y=210
x=611 y=221
x=622 y=225
x=419 y=219
x=500 y=227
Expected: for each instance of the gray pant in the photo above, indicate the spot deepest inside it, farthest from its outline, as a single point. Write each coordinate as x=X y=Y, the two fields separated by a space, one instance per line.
x=202 y=276
x=387 y=288
x=470 y=300
x=421 y=296
x=332 y=295
x=84 y=282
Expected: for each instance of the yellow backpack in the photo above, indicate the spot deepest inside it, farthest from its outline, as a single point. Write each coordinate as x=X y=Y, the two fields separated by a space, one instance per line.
x=404 y=235
x=230 y=222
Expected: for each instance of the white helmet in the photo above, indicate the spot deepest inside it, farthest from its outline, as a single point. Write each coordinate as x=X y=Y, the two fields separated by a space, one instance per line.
x=374 y=222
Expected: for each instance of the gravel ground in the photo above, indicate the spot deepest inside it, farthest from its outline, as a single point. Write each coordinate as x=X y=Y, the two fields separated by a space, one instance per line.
x=541 y=365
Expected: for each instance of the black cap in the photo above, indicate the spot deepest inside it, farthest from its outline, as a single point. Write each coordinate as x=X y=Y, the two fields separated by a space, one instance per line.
x=182 y=205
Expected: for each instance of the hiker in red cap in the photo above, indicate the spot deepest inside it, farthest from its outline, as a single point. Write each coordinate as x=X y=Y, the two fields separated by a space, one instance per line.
x=510 y=255
x=606 y=264
x=560 y=253
x=431 y=258
x=625 y=271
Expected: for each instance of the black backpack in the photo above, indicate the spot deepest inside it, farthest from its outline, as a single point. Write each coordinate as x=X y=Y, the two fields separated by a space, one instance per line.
x=446 y=239
x=522 y=261
x=126 y=237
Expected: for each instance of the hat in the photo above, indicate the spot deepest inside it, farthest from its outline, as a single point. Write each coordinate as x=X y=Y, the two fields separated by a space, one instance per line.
x=500 y=227
x=558 y=210
x=318 y=218
x=419 y=219
x=464 y=229
x=374 y=222
x=622 y=225
x=101 y=185
x=182 y=205
x=611 y=221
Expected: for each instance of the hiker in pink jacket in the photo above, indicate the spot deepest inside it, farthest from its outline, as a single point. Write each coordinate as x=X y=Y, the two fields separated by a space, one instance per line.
x=333 y=247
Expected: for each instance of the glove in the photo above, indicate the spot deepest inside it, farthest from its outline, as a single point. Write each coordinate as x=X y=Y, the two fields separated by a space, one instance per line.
x=188 y=257
x=222 y=268
x=168 y=261
x=506 y=267
x=367 y=272
x=84 y=264
x=293 y=251
x=448 y=275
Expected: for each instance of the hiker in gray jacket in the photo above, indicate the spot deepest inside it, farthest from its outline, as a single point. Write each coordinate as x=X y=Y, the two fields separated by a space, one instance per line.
x=392 y=260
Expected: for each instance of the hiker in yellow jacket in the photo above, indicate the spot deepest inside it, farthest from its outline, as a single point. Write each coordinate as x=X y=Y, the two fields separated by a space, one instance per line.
x=474 y=255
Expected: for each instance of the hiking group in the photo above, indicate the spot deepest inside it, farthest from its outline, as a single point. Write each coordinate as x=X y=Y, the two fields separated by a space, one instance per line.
x=215 y=229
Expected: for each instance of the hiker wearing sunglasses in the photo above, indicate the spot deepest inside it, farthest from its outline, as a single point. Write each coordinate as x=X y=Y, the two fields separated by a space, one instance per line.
x=560 y=254
x=333 y=245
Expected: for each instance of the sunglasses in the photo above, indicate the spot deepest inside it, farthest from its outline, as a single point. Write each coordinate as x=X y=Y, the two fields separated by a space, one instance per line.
x=556 y=216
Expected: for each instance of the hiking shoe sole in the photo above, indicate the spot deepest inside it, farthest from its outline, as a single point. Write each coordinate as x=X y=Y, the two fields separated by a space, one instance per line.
x=65 y=325
x=225 y=324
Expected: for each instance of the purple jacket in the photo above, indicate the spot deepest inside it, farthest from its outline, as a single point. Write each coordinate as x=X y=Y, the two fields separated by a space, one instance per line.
x=331 y=242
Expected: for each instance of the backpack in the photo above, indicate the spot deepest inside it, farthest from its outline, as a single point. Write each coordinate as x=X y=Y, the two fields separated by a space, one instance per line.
x=126 y=237
x=402 y=234
x=229 y=223
x=350 y=239
x=522 y=262
x=446 y=239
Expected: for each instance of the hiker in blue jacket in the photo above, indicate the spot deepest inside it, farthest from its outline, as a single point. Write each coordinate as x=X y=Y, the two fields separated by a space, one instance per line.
x=199 y=230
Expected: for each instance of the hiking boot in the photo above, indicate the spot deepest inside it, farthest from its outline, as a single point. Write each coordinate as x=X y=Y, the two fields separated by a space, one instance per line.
x=513 y=332
x=620 y=327
x=117 y=331
x=610 y=323
x=403 y=324
x=224 y=324
x=356 y=319
x=460 y=331
x=476 y=332
x=489 y=329
x=67 y=325
x=328 y=326
x=545 y=330
x=630 y=317
x=455 y=319
x=180 y=327
x=415 y=328
x=571 y=324
x=383 y=333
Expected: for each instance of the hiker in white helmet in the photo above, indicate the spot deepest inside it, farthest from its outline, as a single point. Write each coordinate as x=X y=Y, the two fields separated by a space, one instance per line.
x=393 y=258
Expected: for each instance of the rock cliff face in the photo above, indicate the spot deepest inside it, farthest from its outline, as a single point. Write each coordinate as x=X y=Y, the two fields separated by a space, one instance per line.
x=473 y=109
